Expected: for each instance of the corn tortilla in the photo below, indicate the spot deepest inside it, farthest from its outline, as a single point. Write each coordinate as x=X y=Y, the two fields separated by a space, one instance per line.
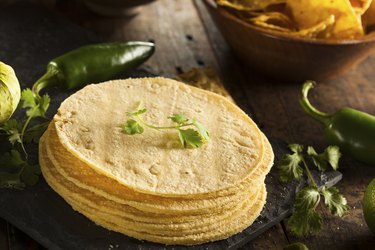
x=234 y=150
x=75 y=195
x=223 y=231
x=91 y=199
x=219 y=231
x=147 y=186
x=87 y=178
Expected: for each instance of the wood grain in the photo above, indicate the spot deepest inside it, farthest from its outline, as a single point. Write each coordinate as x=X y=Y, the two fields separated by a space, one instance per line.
x=186 y=37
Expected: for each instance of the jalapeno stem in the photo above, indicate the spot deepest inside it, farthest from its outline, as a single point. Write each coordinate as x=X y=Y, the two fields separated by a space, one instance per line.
x=311 y=110
x=48 y=79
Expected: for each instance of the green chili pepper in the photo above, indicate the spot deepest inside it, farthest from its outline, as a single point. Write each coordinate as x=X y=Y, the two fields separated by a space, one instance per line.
x=352 y=130
x=93 y=63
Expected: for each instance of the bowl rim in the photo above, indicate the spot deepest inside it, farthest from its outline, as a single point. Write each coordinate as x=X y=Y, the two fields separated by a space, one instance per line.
x=367 y=38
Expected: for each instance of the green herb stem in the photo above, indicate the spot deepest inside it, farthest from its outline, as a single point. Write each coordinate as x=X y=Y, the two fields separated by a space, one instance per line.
x=162 y=127
x=309 y=173
x=23 y=133
x=189 y=137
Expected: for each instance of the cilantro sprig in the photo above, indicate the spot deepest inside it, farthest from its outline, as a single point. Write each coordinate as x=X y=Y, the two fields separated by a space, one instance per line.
x=305 y=219
x=192 y=134
x=15 y=170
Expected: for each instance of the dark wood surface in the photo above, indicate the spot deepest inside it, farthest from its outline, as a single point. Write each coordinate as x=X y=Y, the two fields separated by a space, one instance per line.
x=186 y=37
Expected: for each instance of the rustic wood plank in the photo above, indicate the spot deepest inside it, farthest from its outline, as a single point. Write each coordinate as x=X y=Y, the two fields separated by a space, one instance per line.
x=276 y=107
x=272 y=239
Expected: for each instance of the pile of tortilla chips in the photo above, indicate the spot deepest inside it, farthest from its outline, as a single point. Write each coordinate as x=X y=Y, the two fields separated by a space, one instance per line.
x=147 y=185
x=322 y=19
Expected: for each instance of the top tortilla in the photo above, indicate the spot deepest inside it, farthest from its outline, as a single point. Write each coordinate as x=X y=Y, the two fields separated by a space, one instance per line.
x=89 y=125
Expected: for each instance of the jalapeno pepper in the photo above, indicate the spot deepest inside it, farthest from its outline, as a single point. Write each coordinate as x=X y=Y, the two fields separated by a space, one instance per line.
x=93 y=63
x=352 y=130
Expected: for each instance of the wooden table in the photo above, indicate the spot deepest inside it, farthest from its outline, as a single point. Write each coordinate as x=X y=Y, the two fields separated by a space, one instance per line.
x=186 y=37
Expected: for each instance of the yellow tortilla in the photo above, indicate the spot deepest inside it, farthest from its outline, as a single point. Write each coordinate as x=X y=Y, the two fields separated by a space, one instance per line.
x=188 y=234
x=146 y=163
x=143 y=185
x=167 y=223
x=85 y=177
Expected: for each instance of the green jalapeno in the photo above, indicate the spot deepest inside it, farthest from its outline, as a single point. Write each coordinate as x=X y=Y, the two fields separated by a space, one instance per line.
x=352 y=130
x=93 y=63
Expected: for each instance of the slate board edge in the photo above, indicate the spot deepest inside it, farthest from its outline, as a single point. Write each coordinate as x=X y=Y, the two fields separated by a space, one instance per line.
x=44 y=241
x=263 y=229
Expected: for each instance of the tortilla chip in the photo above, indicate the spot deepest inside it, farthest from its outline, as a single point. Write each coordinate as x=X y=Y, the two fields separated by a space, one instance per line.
x=274 y=21
x=313 y=32
x=308 y=14
x=360 y=6
x=248 y=5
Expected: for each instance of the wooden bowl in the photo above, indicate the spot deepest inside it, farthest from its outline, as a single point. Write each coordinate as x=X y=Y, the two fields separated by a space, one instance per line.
x=289 y=58
x=115 y=7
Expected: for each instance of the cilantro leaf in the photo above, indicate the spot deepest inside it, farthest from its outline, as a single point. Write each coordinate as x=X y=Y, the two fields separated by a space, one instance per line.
x=132 y=127
x=303 y=222
x=295 y=148
x=17 y=173
x=13 y=129
x=330 y=157
x=11 y=165
x=333 y=155
x=336 y=203
x=11 y=160
x=307 y=198
x=44 y=102
x=28 y=99
x=179 y=118
x=30 y=174
x=190 y=138
x=319 y=160
x=289 y=165
x=34 y=133
x=201 y=130
x=35 y=105
x=305 y=219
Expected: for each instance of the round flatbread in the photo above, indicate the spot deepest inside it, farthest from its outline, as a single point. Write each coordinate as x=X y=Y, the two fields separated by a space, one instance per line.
x=87 y=178
x=89 y=125
x=178 y=233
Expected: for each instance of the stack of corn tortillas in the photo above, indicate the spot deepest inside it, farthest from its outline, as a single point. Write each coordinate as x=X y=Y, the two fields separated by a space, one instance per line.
x=145 y=185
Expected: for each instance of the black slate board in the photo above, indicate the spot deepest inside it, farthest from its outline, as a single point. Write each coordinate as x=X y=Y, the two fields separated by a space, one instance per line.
x=29 y=38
